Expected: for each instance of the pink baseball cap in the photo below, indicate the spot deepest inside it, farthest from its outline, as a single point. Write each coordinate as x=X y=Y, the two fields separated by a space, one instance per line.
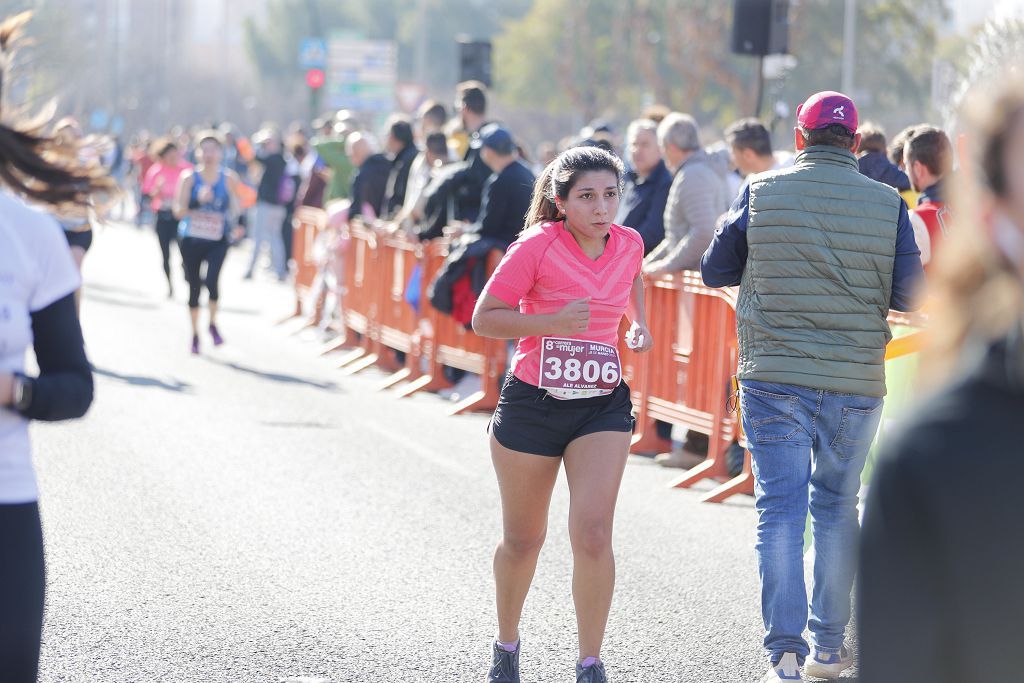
x=826 y=108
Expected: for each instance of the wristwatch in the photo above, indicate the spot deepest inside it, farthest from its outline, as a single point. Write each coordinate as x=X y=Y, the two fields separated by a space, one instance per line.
x=22 y=392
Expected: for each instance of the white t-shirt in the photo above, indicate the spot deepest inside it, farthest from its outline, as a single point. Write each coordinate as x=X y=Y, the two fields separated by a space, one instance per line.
x=36 y=270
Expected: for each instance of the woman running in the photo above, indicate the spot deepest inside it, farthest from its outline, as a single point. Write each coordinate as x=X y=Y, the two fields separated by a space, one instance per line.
x=38 y=280
x=562 y=290
x=205 y=202
x=160 y=185
x=75 y=219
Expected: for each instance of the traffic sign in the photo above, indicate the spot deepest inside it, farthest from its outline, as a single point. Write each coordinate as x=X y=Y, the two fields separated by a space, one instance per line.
x=313 y=53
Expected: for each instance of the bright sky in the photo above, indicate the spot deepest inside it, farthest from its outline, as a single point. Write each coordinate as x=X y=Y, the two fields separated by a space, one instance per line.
x=970 y=13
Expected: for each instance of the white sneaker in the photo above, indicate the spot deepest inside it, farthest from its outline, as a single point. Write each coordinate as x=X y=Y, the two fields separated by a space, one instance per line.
x=821 y=665
x=788 y=669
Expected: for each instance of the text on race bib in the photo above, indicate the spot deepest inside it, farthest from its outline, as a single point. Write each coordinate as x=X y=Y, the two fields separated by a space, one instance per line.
x=575 y=368
x=206 y=225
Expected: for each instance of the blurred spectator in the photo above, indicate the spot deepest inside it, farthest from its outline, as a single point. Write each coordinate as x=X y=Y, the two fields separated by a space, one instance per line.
x=436 y=156
x=656 y=113
x=331 y=148
x=507 y=192
x=469 y=186
x=873 y=161
x=816 y=287
x=928 y=155
x=401 y=148
x=546 y=153
x=272 y=196
x=296 y=153
x=370 y=180
x=939 y=594
x=896 y=157
x=698 y=196
x=431 y=119
x=642 y=206
x=751 y=147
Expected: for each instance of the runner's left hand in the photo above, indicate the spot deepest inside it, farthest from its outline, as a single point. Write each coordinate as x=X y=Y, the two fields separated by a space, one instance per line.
x=639 y=333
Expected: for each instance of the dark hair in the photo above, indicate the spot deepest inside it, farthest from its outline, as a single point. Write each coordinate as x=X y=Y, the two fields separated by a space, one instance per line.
x=473 y=95
x=400 y=129
x=560 y=176
x=39 y=165
x=898 y=142
x=750 y=134
x=437 y=143
x=931 y=147
x=872 y=137
x=164 y=146
x=833 y=135
x=435 y=111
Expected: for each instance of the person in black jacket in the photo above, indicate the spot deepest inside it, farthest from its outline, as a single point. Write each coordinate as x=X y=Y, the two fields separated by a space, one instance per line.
x=370 y=181
x=38 y=280
x=402 y=149
x=873 y=161
x=646 y=186
x=940 y=596
x=507 y=192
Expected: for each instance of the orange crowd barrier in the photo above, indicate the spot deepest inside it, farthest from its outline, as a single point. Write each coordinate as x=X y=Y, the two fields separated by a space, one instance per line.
x=307 y=225
x=383 y=330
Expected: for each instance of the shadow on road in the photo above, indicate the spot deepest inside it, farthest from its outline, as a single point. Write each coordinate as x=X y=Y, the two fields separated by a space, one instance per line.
x=92 y=296
x=139 y=381
x=276 y=377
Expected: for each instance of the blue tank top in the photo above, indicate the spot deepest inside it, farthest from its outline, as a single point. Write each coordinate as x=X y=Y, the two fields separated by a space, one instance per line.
x=221 y=202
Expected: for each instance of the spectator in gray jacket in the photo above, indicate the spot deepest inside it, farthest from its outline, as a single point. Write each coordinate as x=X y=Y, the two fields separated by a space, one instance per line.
x=699 y=195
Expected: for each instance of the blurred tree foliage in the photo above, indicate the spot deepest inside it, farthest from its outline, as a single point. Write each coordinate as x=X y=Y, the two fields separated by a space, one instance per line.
x=611 y=57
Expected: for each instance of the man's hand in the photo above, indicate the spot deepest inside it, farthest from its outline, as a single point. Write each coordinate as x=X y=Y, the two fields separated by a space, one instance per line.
x=573 y=319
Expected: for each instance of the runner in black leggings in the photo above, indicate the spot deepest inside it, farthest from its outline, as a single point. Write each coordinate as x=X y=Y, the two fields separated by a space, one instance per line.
x=206 y=200
x=37 y=309
x=160 y=185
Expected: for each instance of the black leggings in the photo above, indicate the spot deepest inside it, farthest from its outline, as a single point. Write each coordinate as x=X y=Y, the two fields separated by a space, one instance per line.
x=167 y=233
x=22 y=590
x=193 y=252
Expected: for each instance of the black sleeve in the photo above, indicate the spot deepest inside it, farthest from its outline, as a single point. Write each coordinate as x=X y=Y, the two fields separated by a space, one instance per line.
x=63 y=389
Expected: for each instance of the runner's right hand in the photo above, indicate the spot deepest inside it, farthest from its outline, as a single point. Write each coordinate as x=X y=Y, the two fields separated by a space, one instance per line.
x=573 y=319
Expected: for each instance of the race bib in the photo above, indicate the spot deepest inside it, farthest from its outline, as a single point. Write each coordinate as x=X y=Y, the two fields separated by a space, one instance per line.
x=575 y=368
x=206 y=225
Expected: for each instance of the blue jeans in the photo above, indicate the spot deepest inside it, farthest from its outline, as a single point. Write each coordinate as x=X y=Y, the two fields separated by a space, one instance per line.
x=808 y=448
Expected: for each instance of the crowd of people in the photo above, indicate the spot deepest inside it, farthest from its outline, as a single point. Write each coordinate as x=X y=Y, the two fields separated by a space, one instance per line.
x=823 y=241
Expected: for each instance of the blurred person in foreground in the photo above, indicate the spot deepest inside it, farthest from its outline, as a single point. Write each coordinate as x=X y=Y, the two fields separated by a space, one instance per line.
x=816 y=288
x=38 y=280
x=647 y=183
x=939 y=595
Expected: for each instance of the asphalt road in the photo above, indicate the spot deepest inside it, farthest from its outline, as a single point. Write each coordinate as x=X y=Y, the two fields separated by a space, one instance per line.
x=252 y=515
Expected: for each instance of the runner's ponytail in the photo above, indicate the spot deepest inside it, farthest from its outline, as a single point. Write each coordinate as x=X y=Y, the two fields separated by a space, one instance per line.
x=34 y=163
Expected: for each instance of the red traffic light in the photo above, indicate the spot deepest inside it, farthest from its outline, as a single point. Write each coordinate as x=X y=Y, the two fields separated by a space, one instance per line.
x=315 y=78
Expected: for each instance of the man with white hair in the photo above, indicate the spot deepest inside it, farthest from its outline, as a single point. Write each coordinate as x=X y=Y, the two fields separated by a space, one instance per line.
x=370 y=181
x=698 y=196
x=642 y=206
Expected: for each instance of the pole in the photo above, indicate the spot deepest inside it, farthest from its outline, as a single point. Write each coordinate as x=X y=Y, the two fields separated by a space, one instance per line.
x=849 y=37
x=760 y=86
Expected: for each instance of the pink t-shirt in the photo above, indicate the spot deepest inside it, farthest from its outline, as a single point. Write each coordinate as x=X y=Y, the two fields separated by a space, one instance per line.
x=170 y=175
x=545 y=269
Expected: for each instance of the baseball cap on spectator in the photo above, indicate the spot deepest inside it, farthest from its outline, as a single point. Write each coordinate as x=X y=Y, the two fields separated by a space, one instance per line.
x=827 y=108
x=498 y=139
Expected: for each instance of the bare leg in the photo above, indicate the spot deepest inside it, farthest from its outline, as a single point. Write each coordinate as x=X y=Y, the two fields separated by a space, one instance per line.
x=593 y=466
x=525 y=482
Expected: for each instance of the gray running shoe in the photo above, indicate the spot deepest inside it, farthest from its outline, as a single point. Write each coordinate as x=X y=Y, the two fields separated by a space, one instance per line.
x=505 y=667
x=592 y=674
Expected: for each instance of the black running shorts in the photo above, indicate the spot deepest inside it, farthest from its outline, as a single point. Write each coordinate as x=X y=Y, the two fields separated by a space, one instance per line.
x=528 y=420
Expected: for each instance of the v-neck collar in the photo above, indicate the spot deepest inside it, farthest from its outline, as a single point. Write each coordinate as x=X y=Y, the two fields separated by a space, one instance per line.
x=594 y=264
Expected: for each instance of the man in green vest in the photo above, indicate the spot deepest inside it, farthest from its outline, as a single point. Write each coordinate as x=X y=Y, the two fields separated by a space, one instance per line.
x=821 y=254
